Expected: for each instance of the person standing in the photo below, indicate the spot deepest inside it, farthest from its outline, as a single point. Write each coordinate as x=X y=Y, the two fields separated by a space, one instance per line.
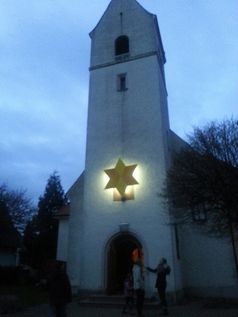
x=128 y=292
x=162 y=270
x=59 y=290
x=138 y=280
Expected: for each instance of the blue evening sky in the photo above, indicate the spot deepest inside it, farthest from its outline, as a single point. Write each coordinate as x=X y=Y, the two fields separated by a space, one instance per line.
x=44 y=59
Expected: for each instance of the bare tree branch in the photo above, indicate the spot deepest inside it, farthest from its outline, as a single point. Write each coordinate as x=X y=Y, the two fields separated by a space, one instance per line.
x=204 y=176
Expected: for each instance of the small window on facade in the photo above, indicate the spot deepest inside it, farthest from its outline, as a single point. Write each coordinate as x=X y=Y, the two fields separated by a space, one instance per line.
x=121 y=82
x=122 y=45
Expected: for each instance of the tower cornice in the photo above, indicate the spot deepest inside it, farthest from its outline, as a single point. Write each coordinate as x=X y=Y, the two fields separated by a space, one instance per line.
x=122 y=59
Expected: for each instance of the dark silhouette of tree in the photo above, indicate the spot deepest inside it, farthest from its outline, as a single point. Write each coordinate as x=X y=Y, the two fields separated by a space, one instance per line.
x=19 y=206
x=202 y=183
x=31 y=241
x=40 y=236
x=9 y=236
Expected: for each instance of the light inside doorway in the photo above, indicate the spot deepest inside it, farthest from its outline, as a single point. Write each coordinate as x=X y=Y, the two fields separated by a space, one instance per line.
x=119 y=261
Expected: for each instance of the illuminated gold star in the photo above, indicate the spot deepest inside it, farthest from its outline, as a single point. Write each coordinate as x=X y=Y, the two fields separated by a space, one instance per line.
x=121 y=177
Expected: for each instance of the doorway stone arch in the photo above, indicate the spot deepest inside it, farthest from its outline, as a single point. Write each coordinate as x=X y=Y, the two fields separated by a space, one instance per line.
x=119 y=260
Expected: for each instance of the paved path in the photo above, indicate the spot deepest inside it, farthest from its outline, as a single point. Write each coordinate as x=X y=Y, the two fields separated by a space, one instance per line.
x=193 y=309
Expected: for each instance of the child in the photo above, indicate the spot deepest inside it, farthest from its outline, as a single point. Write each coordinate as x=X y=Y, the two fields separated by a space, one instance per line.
x=128 y=292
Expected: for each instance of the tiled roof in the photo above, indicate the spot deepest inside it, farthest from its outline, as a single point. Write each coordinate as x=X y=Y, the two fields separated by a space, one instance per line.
x=64 y=211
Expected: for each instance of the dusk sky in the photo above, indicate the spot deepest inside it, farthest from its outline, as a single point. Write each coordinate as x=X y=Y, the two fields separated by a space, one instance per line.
x=44 y=60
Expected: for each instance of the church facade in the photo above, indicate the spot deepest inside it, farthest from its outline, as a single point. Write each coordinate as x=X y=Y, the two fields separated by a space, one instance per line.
x=115 y=205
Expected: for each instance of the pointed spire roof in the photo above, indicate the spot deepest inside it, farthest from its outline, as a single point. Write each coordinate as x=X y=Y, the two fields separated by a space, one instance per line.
x=119 y=19
x=120 y=4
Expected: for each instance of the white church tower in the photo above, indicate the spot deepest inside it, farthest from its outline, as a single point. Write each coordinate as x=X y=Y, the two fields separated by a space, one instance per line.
x=115 y=205
x=127 y=152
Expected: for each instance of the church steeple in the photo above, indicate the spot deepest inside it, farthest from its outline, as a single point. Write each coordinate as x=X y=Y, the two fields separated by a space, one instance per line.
x=127 y=133
x=125 y=18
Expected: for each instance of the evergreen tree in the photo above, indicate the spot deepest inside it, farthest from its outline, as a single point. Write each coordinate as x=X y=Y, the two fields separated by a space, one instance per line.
x=41 y=233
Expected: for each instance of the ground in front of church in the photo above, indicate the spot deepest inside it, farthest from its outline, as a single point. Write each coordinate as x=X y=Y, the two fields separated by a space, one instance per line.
x=198 y=308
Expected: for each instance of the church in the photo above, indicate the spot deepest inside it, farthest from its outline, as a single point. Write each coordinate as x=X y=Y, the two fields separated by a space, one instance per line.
x=115 y=204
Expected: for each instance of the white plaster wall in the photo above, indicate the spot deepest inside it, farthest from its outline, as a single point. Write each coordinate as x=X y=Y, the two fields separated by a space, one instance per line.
x=62 y=244
x=129 y=125
x=125 y=120
x=208 y=267
x=75 y=240
x=208 y=264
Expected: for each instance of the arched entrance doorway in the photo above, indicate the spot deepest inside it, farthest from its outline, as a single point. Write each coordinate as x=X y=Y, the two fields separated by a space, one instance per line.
x=119 y=262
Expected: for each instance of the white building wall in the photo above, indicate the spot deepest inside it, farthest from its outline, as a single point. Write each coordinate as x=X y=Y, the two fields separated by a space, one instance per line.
x=62 y=244
x=207 y=264
x=76 y=229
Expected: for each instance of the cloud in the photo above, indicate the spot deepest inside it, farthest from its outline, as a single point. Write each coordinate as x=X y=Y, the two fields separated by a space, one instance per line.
x=45 y=52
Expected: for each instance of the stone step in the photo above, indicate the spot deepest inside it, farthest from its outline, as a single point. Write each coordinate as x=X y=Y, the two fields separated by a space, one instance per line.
x=116 y=301
x=114 y=298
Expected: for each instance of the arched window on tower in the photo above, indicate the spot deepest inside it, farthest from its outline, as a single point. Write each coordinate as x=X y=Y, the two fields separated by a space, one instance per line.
x=122 y=45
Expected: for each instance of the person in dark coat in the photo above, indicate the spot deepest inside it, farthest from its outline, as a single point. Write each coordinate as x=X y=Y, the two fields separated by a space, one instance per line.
x=60 y=293
x=162 y=271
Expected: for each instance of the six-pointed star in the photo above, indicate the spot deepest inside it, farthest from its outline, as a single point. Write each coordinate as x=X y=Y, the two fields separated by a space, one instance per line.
x=121 y=176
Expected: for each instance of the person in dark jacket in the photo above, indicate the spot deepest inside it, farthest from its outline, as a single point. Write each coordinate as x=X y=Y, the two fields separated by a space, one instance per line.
x=162 y=271
x=59 y=290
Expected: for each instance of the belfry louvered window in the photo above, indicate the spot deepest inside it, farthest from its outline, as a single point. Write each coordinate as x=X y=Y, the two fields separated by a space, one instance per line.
x=122 y=45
